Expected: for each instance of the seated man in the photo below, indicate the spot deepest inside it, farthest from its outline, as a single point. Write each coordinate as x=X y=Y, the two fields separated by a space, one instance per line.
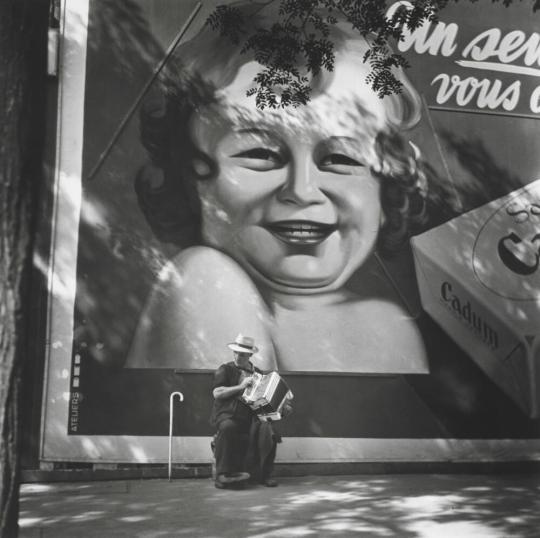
x=241 y=436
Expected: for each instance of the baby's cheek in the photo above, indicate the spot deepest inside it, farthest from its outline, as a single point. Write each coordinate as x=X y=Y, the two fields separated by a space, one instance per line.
x=216 y=218
x=360 y=197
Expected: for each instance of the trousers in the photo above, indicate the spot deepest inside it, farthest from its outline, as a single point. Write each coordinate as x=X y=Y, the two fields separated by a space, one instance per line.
x=245 y=446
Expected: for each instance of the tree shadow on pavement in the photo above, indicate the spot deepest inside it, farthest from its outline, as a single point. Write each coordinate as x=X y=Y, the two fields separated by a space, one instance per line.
x=404 y=506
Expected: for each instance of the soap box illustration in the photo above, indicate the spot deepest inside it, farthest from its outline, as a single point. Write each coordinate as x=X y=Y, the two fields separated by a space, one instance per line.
x=479 y=278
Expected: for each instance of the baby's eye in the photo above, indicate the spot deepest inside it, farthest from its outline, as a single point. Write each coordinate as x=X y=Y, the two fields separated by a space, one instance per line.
x=259 y=159
x=338 y=162
x=339 y=158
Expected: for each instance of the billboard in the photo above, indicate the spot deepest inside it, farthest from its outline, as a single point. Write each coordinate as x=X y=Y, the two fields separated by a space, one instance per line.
x=185 y=215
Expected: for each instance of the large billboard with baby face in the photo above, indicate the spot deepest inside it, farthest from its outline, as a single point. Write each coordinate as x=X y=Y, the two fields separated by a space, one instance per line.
x=186 y=215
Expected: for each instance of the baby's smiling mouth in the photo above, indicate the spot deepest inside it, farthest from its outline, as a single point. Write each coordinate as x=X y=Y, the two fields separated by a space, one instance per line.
x=301 y=232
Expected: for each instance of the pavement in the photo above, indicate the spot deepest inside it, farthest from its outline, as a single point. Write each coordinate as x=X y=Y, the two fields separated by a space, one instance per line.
x=374 y=506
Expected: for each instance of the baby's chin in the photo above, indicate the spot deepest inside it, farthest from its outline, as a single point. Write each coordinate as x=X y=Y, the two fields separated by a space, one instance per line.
x=292 y=284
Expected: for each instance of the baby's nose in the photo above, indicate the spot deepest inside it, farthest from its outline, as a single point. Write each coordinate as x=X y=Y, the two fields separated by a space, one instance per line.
x=301 y=186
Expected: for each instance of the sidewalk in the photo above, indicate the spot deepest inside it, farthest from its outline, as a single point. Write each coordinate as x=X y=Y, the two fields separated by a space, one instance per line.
x=371 y=506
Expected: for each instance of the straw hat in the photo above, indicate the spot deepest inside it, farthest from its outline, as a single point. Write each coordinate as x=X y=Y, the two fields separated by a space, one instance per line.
x=243 y=344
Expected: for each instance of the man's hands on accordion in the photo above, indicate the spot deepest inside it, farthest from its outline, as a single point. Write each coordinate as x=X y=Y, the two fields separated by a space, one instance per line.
x=268 y=396
x=287 y=409
x=246 y=382
x=221 y=393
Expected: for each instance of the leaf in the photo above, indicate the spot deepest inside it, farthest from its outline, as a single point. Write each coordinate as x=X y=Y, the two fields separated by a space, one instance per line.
x=300 y=41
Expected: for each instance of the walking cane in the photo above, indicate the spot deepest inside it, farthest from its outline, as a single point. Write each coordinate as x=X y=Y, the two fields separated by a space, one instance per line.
x=171 y=412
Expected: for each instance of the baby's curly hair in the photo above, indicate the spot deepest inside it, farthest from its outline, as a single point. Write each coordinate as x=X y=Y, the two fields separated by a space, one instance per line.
x=165 y=187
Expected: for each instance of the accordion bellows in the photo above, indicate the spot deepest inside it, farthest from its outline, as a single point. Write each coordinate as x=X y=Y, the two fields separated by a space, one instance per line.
x=267 y=395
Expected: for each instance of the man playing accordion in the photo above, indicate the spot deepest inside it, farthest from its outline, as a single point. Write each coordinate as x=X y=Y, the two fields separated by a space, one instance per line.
x=243 y=441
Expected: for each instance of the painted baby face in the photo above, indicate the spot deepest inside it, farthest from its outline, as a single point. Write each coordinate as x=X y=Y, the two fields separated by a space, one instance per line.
x=293 y=200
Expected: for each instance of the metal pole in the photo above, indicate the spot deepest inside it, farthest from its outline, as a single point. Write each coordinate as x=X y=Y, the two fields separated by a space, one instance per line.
x=171 y=412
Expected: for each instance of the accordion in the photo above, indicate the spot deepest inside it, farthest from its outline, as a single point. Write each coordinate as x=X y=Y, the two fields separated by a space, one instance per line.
x=267 y=395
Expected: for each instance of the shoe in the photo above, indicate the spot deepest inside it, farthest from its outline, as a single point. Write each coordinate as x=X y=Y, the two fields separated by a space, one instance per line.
x=269 y=483
x=230 y=485
x=228 y=478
